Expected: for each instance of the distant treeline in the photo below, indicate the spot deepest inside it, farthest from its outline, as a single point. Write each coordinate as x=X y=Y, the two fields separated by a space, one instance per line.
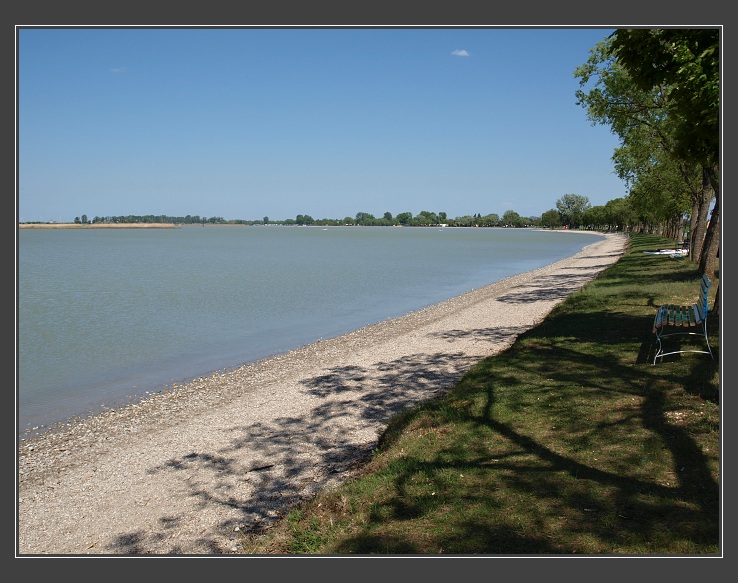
x=573 y=211
x=128 y=219
x=422 y=219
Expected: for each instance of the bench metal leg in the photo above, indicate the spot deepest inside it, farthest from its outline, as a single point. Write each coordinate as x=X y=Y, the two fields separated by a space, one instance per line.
x=660 y=350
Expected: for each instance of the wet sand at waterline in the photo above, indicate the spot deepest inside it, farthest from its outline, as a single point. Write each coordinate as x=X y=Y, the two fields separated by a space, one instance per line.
x=190 y=470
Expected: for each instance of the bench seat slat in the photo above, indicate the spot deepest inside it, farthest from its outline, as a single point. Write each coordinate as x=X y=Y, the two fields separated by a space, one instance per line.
x=691 y=315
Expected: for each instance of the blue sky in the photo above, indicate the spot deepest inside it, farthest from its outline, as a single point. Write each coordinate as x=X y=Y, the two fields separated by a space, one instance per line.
x=328 y=122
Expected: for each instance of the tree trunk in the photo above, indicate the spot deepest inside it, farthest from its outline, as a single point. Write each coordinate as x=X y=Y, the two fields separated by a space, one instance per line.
x=710 y=250
x=693 y=222
x=697 y=239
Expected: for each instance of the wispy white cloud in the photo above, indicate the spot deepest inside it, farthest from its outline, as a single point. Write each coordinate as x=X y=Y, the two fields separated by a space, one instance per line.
x=118 y=70
x=461 y=53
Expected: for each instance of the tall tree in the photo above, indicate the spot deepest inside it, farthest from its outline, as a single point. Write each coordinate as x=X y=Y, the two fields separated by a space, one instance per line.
x=551 y=219
x=512 y=219
x=685 y=63
x=662 y=190
x=572 y=207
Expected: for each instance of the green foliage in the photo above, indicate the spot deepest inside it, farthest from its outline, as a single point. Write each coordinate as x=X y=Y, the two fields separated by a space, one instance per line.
x=551 y=219
x=659 y=91
x=619 y=212
x=304 y=220
x=404 y=218
x=363 y=218
x=571 y=207
x=686 y=62
x=490 y=220
x=426 y=218
x=512 y=219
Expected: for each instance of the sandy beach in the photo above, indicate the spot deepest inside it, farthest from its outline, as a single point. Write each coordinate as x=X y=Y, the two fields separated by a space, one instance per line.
x=189 y=471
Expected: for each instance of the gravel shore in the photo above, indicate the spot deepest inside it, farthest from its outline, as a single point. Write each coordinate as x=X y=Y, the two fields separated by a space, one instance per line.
x=189 y=471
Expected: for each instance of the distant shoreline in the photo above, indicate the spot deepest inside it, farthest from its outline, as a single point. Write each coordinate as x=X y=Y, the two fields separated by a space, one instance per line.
x=179 y=225
x=98 y=226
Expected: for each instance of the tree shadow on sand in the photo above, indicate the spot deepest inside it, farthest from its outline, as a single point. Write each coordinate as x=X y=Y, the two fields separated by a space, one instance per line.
x=294 y=457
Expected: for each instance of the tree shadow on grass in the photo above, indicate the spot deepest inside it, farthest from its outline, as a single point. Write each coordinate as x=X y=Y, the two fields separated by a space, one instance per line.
x=568 y=498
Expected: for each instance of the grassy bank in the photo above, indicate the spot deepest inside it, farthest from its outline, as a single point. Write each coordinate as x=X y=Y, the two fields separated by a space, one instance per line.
x=570 y=442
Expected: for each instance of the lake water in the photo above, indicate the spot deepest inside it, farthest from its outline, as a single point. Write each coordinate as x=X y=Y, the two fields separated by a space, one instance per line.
x=105 y=315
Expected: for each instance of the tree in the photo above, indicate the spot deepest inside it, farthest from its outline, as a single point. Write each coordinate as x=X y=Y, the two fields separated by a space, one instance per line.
x=404 y=218
x=571 y=207
x=511 y=219
x=490 y=220
x=363 y=218
x=641 y=116
x=551 y=219
x=595 y=218
x=465 y=221
x=426 y=218
x=662 y=189
x=619 y=215
x=304 y=220
x=685 y=64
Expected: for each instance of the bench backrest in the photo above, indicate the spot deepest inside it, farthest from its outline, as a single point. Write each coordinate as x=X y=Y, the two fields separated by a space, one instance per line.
x=702 y=301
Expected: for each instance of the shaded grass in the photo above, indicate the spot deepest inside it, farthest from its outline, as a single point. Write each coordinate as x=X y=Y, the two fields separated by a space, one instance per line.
x=569 y=442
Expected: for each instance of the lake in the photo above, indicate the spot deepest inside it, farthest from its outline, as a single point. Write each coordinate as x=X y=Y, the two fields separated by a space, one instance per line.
x=106 y=315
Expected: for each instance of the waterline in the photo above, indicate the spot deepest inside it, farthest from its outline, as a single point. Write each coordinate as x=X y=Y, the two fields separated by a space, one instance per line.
x=105 y=316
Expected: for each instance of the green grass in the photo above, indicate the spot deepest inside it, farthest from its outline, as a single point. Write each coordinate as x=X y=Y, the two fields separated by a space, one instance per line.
x=570 y=442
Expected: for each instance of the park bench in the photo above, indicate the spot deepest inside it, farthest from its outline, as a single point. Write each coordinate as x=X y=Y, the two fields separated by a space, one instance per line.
x=673 y=320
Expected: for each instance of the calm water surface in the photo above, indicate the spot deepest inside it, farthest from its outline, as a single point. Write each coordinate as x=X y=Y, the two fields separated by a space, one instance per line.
x=106 y=315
